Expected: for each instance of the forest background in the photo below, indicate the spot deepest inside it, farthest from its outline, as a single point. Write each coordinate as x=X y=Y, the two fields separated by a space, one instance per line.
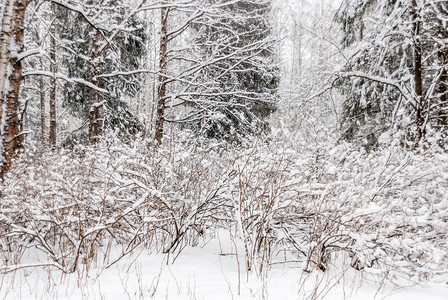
x=311 y=129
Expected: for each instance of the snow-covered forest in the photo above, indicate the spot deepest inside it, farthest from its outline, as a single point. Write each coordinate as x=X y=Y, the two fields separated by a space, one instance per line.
x=224 y=149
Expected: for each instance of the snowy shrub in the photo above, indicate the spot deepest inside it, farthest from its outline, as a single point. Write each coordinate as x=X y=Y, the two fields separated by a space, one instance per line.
x=65 y=204
x=400 y=205
x=72 y=204
x=259 y=195
x=384 y=210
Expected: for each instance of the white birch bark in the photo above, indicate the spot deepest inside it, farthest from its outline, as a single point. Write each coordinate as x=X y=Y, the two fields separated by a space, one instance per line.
x=5 y=44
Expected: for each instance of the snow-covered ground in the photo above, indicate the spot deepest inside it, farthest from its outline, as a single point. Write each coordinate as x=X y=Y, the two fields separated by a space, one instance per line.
x=212 y=271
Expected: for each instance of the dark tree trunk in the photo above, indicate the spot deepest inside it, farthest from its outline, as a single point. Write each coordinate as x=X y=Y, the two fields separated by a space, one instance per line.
x=418 y=79
x=443 y=61
x=53 y=69
x=443 y=83
x=162 y=77
x=94 y=111
x=42 y=109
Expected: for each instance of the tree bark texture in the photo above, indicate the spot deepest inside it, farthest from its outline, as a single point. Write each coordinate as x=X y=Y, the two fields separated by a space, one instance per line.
x=443 y=61
x=5 y=45
x=53 y=70
x=42 y=108
x=94 y=112
x=161 y=93
x=12 y=138
x=418 y=79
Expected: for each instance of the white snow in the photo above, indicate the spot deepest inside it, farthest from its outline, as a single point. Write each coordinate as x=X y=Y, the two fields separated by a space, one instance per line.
x=208 y=272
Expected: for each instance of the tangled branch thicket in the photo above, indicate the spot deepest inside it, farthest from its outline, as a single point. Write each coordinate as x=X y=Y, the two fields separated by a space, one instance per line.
x=385 y=210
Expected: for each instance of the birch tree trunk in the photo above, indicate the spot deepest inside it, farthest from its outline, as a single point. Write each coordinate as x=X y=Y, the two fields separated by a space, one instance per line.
x=12 y=138
x=162 y=77
x=5 y=44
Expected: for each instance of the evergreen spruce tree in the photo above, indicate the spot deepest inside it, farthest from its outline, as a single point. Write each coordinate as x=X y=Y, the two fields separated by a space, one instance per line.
x=395 y=80
x=81 y=40
x=238 y=85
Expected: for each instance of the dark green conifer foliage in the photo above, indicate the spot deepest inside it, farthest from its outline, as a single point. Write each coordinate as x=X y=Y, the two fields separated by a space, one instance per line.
x=123 y=54
x=240 y=88
x=401 y=47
